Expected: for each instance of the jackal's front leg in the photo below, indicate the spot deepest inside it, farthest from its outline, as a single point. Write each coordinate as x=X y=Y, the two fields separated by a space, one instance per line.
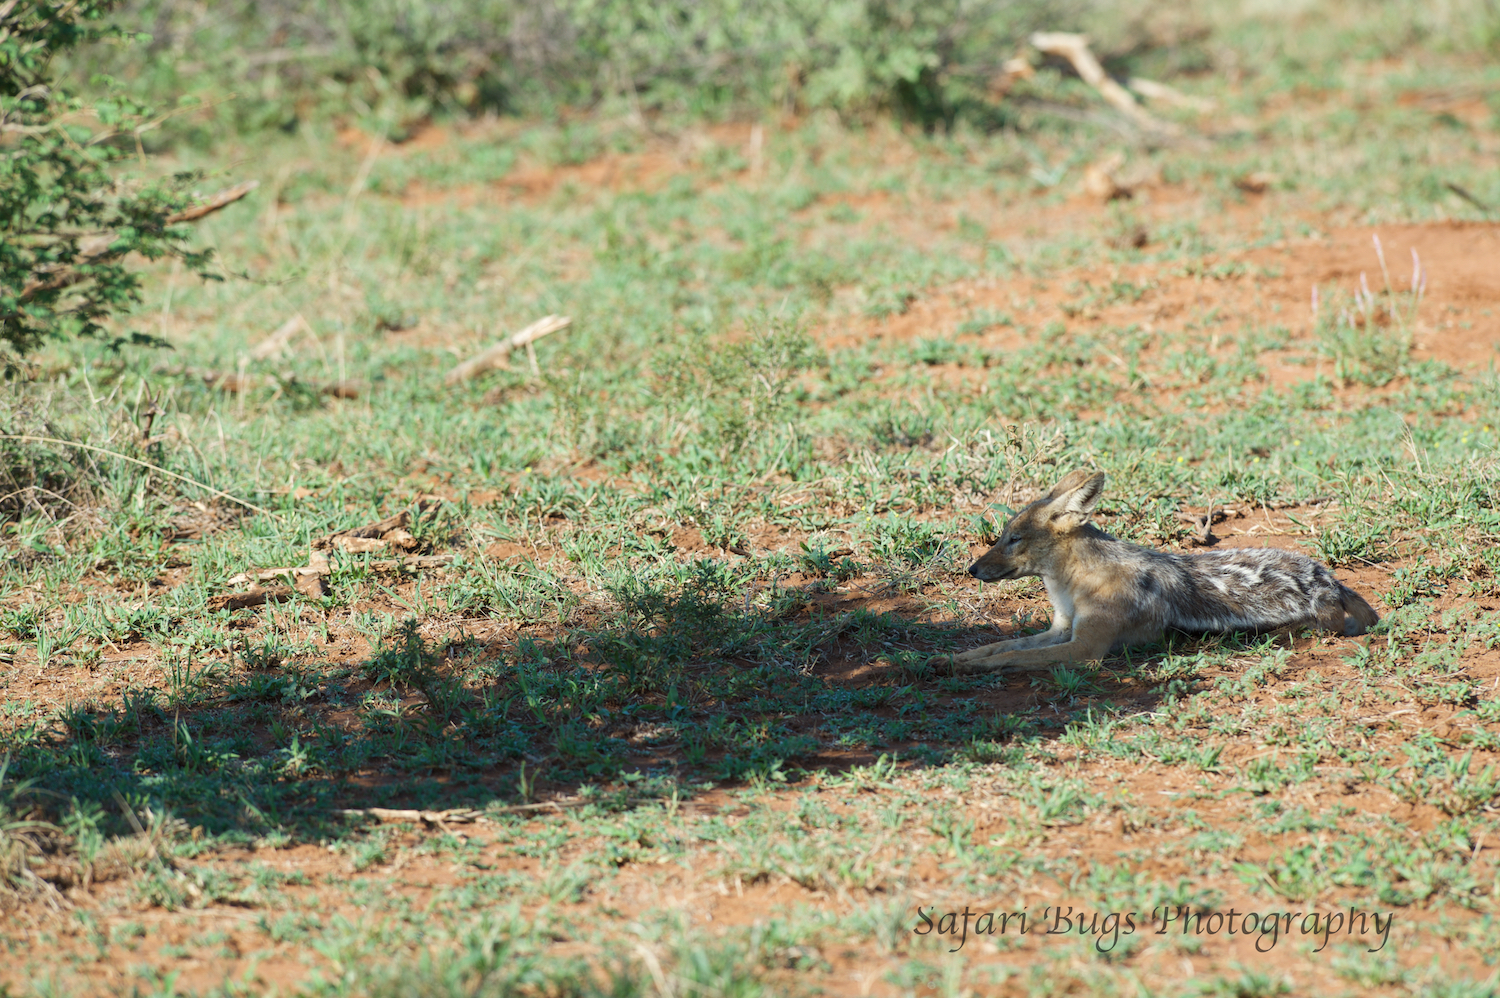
x=1060 y=632
x=1044 y=640
x=1084 y=644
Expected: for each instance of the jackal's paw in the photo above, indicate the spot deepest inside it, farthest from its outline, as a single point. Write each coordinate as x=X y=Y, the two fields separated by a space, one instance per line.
x=946 y=665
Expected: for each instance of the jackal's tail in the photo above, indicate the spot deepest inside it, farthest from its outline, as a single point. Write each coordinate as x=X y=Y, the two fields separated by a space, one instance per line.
x=1361 y=616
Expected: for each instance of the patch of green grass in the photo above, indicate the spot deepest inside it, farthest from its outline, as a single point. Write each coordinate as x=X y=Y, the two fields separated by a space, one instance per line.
x=704 y=549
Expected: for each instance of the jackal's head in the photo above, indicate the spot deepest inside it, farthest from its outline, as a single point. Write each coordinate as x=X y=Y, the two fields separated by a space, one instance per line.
x=1035 y=541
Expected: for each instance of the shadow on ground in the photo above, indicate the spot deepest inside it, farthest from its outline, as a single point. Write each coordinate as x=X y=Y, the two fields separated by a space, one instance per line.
x=683 y=691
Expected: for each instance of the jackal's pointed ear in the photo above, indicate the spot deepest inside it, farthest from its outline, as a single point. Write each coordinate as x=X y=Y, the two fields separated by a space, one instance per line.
x=1076 y=496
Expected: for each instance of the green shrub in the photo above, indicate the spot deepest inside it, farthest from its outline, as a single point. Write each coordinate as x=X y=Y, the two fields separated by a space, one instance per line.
x=68 y=221
x=396 y=61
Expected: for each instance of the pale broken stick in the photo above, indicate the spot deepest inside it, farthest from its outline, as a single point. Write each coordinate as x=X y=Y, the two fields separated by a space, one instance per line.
x=276 y=343
x=370 y=531
x=254 y=597
x=1075 y=49
x=382 y=536
x=317 y=566
x=499 y=354
x=1204 y=524
x=228 y=196
x=317 y=560
x=1151 y=90
x=457 y=815
x=322 y=567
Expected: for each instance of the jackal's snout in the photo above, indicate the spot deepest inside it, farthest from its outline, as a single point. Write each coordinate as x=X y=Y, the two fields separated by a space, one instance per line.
x=990 y=569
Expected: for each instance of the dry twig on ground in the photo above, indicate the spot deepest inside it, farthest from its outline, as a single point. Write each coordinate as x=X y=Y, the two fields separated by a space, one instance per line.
x=323 y=567
x=252 y=597
x=1075 y=49
x=276 y=343
x=1151 y=90
x=1204 y=524
x=499 y=354
x=213 y=204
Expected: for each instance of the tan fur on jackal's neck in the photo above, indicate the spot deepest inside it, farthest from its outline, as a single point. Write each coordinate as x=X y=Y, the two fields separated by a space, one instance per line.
x=1107 y=594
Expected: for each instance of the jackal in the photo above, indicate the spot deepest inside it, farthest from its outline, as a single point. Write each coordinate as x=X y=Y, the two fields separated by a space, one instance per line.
x=1107 y=594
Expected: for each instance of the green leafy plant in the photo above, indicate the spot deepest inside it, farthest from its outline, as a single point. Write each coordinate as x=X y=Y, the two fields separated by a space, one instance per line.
x=400 y=61
x=734 y=395
x=67 y=216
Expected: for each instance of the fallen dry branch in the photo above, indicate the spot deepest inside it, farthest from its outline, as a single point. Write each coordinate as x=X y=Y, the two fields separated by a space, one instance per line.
x=276 y=343
x=381 y=536
x=457 y=816
x=213 y=204
x=367 y=545
x=269 y=574
x=1152 y=90
x=1204 y=524
x=460 y=815
x=499 y=354
x=370 y=530
x=1100 y=180
x=1075 y=49
x=254 y=597
x=412 y=564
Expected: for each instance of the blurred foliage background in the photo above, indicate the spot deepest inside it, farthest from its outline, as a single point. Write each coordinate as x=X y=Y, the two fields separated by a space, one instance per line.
x=393 y=63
